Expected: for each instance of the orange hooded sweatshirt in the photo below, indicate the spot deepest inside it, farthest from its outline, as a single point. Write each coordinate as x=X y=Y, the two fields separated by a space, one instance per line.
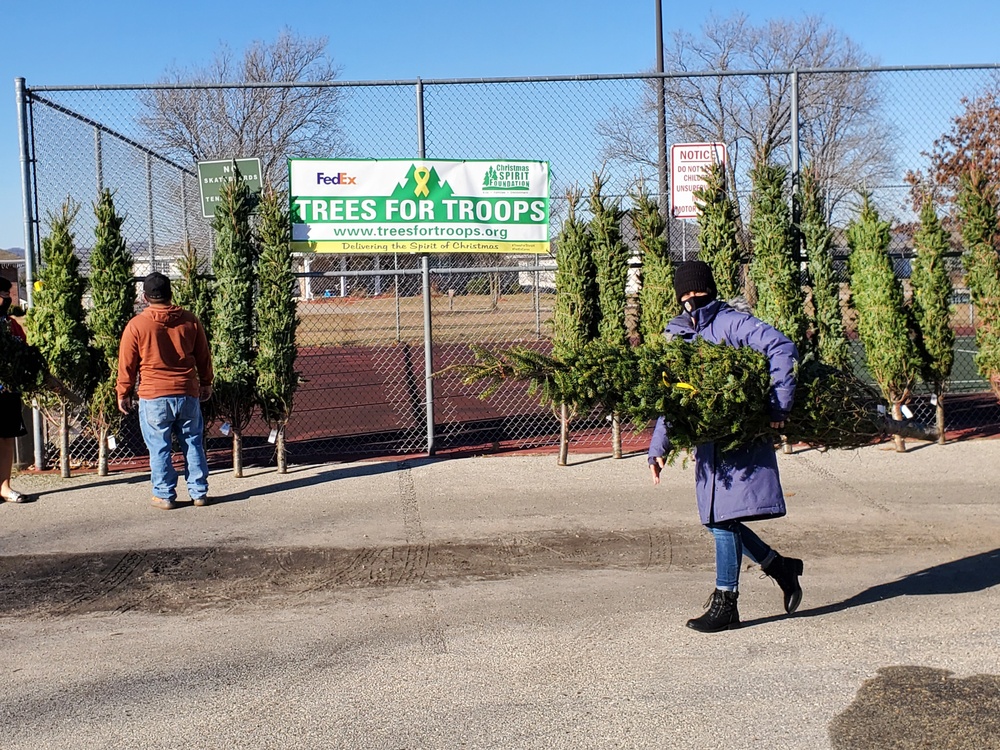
x=166 y=346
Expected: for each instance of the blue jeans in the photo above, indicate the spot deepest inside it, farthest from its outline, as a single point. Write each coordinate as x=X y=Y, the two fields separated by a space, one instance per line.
x=733 y=540
x=159 y=418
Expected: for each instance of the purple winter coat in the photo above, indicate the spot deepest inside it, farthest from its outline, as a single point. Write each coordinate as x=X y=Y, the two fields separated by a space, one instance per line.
x=741 y=484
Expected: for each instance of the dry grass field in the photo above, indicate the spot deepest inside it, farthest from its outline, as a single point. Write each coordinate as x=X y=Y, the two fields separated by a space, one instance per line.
x=367 y=321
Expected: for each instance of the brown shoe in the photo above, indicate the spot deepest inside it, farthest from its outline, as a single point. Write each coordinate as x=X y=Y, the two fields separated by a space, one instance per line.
x=200 y=502
x=162 y=504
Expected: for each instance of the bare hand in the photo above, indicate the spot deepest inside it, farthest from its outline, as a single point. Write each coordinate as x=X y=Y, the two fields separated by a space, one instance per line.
x=206 y=393
x=777 y=425
x=656 y=467
x=125 y=404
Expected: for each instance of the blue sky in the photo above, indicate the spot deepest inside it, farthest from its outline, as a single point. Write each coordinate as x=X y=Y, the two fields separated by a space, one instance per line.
x=50 y=42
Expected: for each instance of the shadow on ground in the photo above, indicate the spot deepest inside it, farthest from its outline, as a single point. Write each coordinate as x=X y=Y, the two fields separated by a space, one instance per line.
x=973 y=573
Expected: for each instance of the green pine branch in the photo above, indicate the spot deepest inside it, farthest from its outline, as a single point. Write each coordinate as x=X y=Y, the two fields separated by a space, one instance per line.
x=611 y=257
x=657 y=301
x=112 y=288
x=773 y=270
x=977 y=204
x=829 y=339
x=717 y=233
x=932 y=290
x=277 y=319
x=878 y=298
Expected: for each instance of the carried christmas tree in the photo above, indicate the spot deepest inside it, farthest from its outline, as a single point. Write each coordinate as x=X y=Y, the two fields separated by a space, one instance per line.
x=707 y=392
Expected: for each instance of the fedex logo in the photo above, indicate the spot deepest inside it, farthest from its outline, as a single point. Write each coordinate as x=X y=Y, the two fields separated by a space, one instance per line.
x=341 y=178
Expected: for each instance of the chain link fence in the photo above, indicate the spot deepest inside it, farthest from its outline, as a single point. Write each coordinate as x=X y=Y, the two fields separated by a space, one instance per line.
x=363 y=332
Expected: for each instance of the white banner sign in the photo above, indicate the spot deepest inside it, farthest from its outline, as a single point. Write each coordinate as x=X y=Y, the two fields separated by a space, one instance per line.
x=689 y=163
x=419 y=206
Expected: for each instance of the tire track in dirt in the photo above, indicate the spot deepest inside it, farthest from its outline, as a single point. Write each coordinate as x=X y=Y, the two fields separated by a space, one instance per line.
x=176 y=580
x=111 y=581
x=851 y=489
x=414 y=562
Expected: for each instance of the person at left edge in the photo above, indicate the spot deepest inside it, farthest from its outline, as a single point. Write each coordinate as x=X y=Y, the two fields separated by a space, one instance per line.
x=11 y=421
x=166 y=347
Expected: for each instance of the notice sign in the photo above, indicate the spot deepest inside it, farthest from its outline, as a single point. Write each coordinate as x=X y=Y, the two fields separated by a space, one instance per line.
x=419 y=206
x=689 y=164
x=212 y=175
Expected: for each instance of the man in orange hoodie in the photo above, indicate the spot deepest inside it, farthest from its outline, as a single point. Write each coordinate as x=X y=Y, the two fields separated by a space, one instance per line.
x=166 y=347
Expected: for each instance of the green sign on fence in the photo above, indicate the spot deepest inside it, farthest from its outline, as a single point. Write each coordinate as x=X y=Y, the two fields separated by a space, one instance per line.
x=212 y=175
x=419 y=205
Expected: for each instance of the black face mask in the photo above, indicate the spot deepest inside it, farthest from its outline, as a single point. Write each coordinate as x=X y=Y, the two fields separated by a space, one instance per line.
x=697 y=302
x=4 y=305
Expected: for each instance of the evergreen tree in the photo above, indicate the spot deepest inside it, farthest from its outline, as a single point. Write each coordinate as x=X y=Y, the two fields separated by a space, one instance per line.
x=611 y=260
x=657 y=301
x=977 y=215
x=56 y=326
x=193 y=290
x=932 y=291
x=882 y=320
x=773 y=271
x=717 y=233
x=829 y=338
x=576 y=316
x=277 y=321
x=112 y=289
x=611 y=257
x=233 y=345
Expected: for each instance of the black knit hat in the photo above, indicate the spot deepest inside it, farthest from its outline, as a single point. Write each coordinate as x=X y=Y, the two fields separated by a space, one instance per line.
x=156 y=287
x=694 y=276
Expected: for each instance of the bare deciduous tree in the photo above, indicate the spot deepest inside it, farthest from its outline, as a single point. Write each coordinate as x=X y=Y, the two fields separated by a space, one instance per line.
x=841 y=131
x=970 y=146
x=216 y=122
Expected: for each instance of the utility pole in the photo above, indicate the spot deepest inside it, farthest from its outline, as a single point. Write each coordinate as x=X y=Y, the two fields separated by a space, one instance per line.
x=661 y=119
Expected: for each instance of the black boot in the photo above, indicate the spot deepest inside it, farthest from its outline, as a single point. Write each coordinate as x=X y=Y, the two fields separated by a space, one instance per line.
x=786 y=571
x=721 y=615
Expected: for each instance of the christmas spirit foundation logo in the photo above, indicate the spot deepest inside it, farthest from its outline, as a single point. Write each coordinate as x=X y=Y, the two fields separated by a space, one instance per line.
x=507 y=177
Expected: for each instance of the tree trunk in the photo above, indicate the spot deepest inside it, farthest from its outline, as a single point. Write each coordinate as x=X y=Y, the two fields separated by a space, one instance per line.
x=897 y=414
x=237 y=453
x=616 y=435
x=102 y=452
x=563 y=434
x=64 y=440
x=279 y=445
x=913 y=430
x=939 y=419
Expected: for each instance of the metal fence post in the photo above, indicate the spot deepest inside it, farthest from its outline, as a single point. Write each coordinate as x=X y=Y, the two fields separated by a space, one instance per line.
x=537 y=302
x=425 y=276
x=395 y=267
x=184 y=213
x=27 y=192
x=149 y=199
x=796 y=237
x=98 y=161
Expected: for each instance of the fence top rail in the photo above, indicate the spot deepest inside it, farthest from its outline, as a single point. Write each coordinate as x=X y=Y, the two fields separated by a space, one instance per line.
x=114 y=134
x=518 y=79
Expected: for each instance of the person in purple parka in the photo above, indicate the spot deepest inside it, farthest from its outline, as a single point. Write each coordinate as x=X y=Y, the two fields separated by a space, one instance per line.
x=741 y=485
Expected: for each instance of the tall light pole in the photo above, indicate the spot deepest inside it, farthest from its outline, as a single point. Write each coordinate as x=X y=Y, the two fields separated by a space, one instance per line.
x=661 y=119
